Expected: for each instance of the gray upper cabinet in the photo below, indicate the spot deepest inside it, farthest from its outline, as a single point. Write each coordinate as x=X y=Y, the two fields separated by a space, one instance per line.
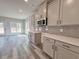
x=41 y=11
x=70 y=12
x=61 y=12
x=53 y=12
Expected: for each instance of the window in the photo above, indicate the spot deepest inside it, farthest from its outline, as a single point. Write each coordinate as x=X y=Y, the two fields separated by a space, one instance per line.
x=13 y=27
x=1 y=28
x=27 y=27
x=16 y=27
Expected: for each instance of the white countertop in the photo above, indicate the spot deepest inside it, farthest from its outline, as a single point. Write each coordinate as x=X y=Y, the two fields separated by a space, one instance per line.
x=70 y=40
x=35 y=31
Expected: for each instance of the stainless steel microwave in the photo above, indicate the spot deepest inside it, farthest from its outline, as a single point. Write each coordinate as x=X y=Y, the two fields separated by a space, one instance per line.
x=42 y=22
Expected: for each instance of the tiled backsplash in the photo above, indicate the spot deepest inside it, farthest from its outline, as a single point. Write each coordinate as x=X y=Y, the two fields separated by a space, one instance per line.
x=72 y=30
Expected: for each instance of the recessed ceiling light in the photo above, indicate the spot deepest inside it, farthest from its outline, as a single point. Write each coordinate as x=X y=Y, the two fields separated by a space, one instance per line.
x=69 y=1
x=20 y=10
x=26 y=0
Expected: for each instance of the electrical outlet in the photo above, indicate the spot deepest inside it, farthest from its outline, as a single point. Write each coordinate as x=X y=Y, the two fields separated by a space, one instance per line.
x=61 y=30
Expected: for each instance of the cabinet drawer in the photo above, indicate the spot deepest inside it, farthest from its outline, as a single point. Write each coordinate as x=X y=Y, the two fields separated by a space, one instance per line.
x=68 y=46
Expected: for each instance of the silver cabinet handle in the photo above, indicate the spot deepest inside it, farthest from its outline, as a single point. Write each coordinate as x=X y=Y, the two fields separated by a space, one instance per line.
x=53 y=46
x=66 y=46
x=58 y=21
x=47 y=39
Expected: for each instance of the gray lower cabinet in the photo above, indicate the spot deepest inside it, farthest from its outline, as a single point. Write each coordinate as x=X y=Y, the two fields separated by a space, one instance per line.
x=35 y=38
x=64 y=51
x=60 y=50
x=70 y=12
x=48 y=46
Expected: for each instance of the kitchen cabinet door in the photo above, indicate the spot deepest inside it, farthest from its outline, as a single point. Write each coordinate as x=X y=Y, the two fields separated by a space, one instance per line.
x=48 y=46
x=70 y=12
x=53 y=12
x=62 y=53
x=31 y=37
x=41 y=11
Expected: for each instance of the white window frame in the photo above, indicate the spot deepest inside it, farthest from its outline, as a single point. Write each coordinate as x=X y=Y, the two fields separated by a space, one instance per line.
x=17 y=27
x=2 y=31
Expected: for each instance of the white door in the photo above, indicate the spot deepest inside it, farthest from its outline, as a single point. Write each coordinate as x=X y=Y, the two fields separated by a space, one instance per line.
x=70 y=12
x=53 y=12
x=48 y=45
x=62 y=53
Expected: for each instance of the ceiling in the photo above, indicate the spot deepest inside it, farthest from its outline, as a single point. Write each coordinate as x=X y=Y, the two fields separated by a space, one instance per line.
x=18 y=8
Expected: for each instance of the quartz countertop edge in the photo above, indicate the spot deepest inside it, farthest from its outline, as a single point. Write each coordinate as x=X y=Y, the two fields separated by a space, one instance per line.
x=70 y=40
x=35 y=31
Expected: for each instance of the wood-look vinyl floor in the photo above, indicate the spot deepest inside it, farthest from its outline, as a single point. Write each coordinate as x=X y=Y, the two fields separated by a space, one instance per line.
x=14 y=48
